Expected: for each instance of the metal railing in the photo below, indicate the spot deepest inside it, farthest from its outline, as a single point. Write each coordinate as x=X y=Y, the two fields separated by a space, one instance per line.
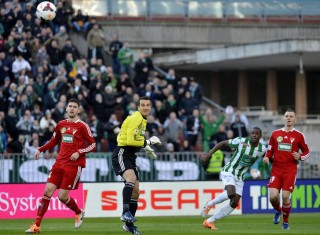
x=185 y=9
x=170 y=166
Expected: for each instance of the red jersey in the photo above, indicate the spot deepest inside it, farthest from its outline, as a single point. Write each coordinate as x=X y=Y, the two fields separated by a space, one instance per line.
x=73 y=137
x=281 y=146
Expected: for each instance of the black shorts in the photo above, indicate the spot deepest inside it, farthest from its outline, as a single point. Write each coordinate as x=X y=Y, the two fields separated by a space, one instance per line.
x=124 y=158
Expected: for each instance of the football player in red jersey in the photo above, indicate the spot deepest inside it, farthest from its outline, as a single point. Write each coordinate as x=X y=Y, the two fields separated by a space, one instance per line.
x=75 y=139
x=287 y=146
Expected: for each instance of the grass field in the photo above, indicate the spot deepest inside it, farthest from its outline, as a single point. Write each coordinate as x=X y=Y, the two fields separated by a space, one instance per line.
x=236 y=224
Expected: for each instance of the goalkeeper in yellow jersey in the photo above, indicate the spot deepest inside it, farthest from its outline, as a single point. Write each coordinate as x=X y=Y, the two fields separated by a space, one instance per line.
x=130 y=139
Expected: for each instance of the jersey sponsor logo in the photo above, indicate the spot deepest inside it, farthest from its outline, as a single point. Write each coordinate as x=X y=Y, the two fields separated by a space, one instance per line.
x=67 y=138
x=63 y=130
x=279 y=139
x=284 y=147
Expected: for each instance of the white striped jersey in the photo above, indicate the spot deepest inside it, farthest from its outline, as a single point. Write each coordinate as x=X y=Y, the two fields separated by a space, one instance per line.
x=243 y=157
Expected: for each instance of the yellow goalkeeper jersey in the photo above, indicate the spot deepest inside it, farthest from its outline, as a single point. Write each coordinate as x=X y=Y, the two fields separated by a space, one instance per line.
x=132 y=131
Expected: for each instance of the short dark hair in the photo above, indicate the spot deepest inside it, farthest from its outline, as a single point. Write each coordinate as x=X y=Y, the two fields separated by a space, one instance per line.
x=258 y=129
x=143 y=98
x=74 y=100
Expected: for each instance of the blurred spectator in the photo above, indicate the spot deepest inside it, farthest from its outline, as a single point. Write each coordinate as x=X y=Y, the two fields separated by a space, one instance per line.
x=61 y=37
x=96 y=41
x=3 y=140
x=221 y=135
x=58 y=112
x=5 y=66
x=10 y=120
x=80 y=22
x=160 y=111
x=209 y=127
x=243 y=118
x=112 y=128
x=46 y=121
x=152 y=125
x=61 y=18
x=16 y=146
x=125 y=56
x=141 y=70
x=186 y=106
x=195 y=90
x=31 y=149
x=239 y=128
x=193 y=128
x=20 y=64
x=114 y=48
x=173 y=128
x=69 y=47
x=214 y=165
x=97 y=129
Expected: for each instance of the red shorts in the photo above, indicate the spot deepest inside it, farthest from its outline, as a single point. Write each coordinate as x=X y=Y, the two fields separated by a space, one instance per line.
x=283 y=180
x=65 y=176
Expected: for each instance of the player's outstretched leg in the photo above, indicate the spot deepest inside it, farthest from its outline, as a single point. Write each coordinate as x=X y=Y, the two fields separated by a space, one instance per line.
x=205 y=210
x=34 y=229
x=79 y=219
x=277 y=217
x=131 y=229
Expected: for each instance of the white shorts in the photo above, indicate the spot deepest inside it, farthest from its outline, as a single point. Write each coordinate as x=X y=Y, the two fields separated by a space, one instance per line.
x=229 y=179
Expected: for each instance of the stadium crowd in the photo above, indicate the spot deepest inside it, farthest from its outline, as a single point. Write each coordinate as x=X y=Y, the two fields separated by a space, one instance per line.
x=41 y=68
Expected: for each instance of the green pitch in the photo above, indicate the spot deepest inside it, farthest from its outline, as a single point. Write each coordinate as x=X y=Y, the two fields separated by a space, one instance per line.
x=236 y=224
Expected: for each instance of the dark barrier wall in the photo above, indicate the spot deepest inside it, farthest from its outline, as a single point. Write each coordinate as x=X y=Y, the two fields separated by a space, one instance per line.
x=305 y=197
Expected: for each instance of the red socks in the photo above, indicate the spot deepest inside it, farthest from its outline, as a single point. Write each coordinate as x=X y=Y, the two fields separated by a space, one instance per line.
x=72 y=205
x=286 y=212
x=42 y=209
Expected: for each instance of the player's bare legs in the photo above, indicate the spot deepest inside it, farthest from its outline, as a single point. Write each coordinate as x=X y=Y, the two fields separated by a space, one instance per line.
x=275 y=202
x=225 y=211
x=72 y=205
x=42 y=208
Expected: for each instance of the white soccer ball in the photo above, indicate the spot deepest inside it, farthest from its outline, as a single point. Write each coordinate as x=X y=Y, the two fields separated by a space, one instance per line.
x=46 y=11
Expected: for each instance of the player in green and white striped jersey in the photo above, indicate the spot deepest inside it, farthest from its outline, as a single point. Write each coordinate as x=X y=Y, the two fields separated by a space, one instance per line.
x=247 y=151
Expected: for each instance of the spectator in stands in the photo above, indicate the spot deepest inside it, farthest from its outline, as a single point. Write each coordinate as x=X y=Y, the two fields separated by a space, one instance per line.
x=61 y=37
x=112 y=127
x=221 y=135
x=160 y=111
x=80 y=22
x=3 y=140
x=186 y=106
x=20 y=64
x=59 y=112
x=114 y=48
x=141 y=70
x=195 y=90
x=239 y=128
x=110 y=100
x=209 y=127
x=153 y=125
x=61 y=18
x=5 y=66
x=173 y=129
x=31 y=149
x=97 y=129
x=125 y=56
x=193 y=128
x=69 y=47
x=55 y=56
x=46 y=121
x=96 y=41
x=171 y=104
x=243 y=118
x=16 y=146
x=10 y=122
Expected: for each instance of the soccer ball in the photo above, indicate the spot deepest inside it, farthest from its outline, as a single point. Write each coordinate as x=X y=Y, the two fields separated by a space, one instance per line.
x=46 y=11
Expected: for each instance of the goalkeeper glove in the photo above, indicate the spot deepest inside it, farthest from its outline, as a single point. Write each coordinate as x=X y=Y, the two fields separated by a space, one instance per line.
x=153 y=140
x=150 y=152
